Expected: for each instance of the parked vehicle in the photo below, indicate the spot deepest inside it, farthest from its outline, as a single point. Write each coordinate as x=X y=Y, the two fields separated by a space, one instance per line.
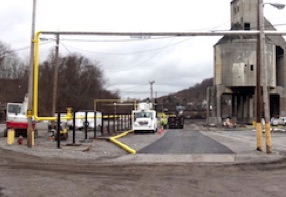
x=144 y=118
x=176 y=119
x=274 y=121
x=282 y=120
x=175 y=122
x=16 y=118
x=278 y=121
x=80 y=120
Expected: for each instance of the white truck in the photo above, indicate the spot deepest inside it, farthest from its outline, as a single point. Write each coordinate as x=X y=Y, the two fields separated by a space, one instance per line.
x=144 y=118
x=80 y=120
x=16 y=118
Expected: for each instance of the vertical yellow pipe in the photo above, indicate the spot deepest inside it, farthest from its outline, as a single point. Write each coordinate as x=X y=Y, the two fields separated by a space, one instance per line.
x=36 y=74
x=36 y=79
x=259 y=136
x=268 y=138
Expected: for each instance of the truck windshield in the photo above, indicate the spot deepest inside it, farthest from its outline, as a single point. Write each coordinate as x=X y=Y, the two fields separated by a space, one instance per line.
x=143 y=115
x=14 y=108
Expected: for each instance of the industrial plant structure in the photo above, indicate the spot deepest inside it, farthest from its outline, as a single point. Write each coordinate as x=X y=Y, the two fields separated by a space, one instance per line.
x=235 y=69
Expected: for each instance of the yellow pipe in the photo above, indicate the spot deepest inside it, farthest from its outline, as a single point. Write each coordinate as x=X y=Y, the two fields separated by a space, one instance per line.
x=36 y=84
x=123 y=146
x=36 y=81
x=112 y=100
x=122 y=134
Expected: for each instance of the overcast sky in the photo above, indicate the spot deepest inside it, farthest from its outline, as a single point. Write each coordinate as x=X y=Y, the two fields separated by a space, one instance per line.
x=129 y=64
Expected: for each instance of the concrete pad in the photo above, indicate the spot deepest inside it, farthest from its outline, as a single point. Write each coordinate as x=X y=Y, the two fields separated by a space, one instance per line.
x=195 y=158
x=258 y=157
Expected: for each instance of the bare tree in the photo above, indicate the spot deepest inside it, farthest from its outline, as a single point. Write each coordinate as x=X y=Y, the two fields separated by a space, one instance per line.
x=13 y=76
x=80 y=82
x=10 y=64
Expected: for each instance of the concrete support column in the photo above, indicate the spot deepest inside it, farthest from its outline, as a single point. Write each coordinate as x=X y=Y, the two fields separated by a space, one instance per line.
x=213 y=103
x=220 y=89
x=240 y=108
x=282 y=106
x=218 y=106
x=234 y=107
x=208 y=105
x=251 y=109
x=246 y=109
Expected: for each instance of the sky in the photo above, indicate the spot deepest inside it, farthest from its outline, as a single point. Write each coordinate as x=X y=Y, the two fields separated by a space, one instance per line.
x=129 y=64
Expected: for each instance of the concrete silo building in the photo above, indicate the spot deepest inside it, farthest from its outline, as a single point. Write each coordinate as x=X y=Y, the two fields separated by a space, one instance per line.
x=235 y=64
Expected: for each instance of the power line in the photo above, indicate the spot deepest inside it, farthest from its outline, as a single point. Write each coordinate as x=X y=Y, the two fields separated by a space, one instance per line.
x=143 y=62
x=129 y=53
x=23 y=48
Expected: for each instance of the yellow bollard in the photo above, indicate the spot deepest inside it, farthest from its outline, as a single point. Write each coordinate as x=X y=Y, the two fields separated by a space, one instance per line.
x=33 y=138
x=10 y=136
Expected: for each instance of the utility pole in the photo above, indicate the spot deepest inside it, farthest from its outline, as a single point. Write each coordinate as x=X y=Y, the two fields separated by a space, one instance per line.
x=258 y=85
x=30 y=129
x=264 y=78
x=56 y=77
x=151 y=91
x=263 y=65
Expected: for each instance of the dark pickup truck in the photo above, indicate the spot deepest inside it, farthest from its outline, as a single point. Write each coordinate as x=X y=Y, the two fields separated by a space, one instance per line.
x=175 y=122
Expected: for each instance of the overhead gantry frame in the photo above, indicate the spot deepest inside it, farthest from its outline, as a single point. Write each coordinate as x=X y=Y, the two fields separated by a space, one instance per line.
x=36 y=42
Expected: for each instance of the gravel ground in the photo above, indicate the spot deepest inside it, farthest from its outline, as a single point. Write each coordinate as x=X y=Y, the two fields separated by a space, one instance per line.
x=82 y=149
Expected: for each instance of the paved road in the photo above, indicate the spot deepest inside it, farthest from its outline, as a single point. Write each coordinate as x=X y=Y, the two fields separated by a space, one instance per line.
x=185 y=142
x=33 y=176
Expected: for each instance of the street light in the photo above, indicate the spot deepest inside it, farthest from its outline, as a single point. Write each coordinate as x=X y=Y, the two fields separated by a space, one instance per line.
x=264 y=67
x=151 y=92
x=279 y=6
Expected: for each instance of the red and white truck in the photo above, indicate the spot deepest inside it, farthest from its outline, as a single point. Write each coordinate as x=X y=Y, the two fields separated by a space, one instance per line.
x=16 y=118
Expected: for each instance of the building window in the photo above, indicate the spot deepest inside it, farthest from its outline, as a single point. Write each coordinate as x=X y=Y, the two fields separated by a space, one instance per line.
x=251 y=67
x=246 y=26
x=236 y=9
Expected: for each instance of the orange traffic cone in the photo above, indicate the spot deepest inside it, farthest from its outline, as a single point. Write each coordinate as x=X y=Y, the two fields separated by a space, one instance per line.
x=160 y=130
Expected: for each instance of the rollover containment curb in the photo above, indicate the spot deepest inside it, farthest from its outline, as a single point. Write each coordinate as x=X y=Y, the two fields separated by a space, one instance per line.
x=123 y=146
